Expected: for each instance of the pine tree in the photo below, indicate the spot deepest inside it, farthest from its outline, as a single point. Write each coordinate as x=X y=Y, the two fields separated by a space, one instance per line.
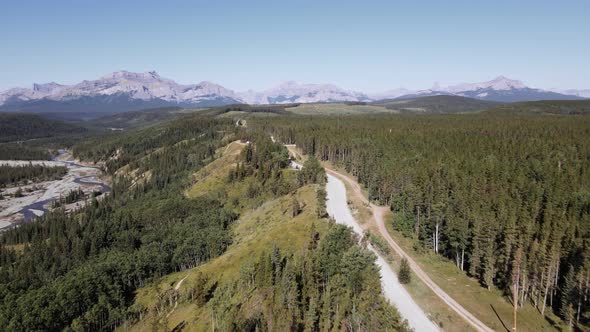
x=405 y=273
x=567 y=295
x=321 y=202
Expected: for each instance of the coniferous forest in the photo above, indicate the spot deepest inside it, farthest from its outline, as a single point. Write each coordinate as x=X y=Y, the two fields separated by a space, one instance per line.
x=10 y=175
x=80 y=271
x=506 y=198
x=503 y=197
x=294 y=166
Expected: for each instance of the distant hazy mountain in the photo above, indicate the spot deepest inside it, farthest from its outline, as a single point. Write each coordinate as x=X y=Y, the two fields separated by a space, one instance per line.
x=293 y=92
x=391 y=94
x=500 y=89
x=126 y=91
x=118 y=91
x=584 y=93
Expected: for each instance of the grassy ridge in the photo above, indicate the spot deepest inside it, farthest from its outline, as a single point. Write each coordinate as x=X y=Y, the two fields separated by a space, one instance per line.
x=271 y=277
x=257 y=231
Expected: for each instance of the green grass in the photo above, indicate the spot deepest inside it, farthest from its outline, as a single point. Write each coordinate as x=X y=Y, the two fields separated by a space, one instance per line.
x=337 y=109
x=241 y=114
x=212 y=178
x=18 y=248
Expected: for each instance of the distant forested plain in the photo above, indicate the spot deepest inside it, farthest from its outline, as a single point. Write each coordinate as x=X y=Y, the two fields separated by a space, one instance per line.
x=26 y=136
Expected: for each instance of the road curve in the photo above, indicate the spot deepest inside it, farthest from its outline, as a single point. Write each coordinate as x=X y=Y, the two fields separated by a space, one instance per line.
x=393 y=290
x=378 y=218
x=337 y=208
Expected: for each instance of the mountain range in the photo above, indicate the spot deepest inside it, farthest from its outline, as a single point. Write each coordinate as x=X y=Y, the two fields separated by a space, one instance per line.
x=501 y=89
x=125 y=91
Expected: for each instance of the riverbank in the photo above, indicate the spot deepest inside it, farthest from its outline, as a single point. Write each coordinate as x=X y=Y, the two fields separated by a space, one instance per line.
x=37 y=198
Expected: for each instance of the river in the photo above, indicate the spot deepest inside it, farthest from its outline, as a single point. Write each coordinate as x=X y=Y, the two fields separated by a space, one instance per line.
x=78 y=176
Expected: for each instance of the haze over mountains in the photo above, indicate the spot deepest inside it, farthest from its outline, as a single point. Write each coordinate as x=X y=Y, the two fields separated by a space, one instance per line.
x=500 y=89
x=124 y=91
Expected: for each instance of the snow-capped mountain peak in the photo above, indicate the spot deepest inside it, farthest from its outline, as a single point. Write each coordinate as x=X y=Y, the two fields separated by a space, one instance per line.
x=583 y=93
x=499 y=83
x=294 y=92
x=505 y=90
x=47 y=87
x=124 y=90
x=149 y=76
x=391 y=94
x=148 y=87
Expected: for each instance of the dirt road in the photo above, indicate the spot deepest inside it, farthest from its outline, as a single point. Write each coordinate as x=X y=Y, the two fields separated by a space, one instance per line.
x=378 y=217
x=393 y=290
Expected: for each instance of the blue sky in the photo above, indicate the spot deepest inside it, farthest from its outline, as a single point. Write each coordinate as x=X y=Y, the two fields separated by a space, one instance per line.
x=363 y=45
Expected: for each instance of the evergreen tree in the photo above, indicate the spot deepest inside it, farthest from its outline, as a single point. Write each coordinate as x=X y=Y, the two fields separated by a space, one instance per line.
x=405 y=273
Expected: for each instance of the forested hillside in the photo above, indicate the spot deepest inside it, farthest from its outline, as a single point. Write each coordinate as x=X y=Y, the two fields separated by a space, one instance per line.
x=18 y=127
x=80 y=270
x=288 y=268
x=505 y=197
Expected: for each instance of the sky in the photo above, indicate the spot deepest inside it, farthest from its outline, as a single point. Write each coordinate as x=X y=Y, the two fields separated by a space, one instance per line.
x=369 y=46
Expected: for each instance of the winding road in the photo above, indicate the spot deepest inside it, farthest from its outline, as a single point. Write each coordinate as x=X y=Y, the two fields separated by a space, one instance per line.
x=337 y=206
x=378 y=213
x=394 y=292
x=378 y=217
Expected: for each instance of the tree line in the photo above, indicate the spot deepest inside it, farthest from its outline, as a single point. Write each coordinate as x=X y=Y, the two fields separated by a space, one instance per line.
x=15 y=151
x=22 y=174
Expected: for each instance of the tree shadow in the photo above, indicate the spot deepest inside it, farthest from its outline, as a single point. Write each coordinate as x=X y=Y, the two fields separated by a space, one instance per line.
x=500 y=319
x=179 y=327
